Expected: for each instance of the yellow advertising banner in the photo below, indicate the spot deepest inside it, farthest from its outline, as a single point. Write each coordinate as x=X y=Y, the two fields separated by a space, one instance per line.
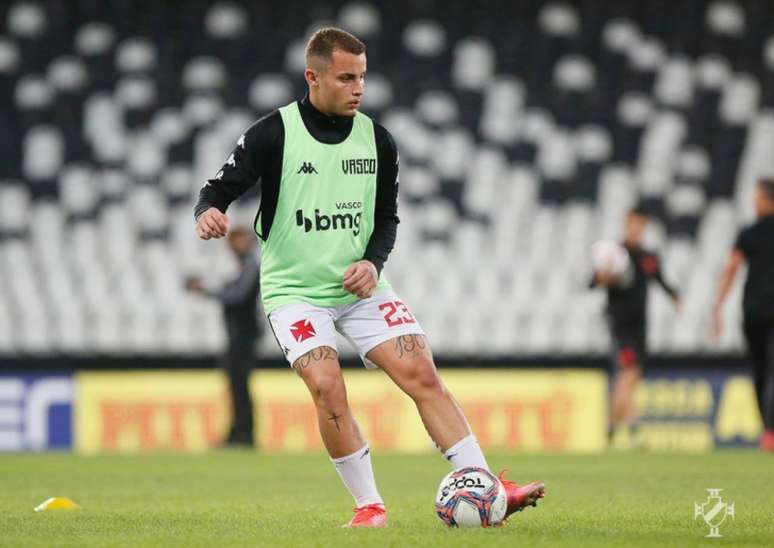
x=557 y=410
x=149 y=411
x=694 y=411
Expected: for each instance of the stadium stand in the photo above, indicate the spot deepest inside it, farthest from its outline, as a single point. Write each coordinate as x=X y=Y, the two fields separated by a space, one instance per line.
x=526 y=131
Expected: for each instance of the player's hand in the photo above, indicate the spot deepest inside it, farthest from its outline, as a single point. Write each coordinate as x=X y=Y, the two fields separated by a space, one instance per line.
x=717 y=324
x=361 y=279
x=194 y=285
x=212 y=224
x=605 y=278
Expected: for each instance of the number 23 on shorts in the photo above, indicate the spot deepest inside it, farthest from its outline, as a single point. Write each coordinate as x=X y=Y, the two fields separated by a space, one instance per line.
x=396 y=313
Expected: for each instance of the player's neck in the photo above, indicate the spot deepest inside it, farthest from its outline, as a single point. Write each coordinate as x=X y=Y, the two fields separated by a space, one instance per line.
x=314 y=100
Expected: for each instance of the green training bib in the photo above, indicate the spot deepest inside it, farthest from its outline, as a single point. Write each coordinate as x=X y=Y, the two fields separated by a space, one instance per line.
x=324 y=216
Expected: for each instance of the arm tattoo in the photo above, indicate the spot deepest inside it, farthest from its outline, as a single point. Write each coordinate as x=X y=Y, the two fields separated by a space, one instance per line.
x=314 y=355
x=411 y=346
x=335 y=418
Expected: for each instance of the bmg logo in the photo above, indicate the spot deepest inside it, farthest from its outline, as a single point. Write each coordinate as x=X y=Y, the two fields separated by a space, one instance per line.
x=337 y=221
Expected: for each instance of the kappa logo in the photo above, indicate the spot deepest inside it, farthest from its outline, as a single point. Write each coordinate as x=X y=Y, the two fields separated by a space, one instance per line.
x=306 y=168
x=302 y=330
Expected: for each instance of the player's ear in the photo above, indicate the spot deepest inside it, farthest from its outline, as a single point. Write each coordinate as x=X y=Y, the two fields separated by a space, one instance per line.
x=312 y=77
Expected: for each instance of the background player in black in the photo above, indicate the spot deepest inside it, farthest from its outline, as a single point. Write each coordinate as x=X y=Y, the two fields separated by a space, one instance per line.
x=627 y=319
x=755 y=246
x=239 y=298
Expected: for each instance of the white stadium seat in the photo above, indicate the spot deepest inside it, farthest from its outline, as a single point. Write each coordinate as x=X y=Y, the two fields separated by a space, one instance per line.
x=111 y=132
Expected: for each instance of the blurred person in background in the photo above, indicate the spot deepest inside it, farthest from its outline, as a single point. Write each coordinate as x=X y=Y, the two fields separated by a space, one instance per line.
x=627 y=320
x=755 y=247
x=239 y=298
x=328 y=221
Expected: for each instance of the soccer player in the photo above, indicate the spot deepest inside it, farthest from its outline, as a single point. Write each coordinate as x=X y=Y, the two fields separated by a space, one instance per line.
x=755 y=246
x=328 y=220
x=626 y=314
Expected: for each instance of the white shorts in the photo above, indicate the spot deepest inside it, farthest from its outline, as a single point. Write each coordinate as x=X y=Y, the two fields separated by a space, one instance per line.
x=301 y=327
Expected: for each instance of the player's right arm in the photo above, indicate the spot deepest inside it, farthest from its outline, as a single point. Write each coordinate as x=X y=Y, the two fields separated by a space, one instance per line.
x=243 y=168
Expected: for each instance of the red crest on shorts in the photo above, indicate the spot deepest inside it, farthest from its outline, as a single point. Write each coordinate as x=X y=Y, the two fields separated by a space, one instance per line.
x=302 y=330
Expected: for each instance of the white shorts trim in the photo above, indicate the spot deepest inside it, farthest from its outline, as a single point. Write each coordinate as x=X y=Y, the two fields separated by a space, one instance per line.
x=366 y=323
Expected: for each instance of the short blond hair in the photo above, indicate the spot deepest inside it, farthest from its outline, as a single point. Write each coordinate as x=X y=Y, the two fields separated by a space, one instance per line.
x=323 y=42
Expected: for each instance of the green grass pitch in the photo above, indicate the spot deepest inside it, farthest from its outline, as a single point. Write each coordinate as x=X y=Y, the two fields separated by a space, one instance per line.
x=242 y=498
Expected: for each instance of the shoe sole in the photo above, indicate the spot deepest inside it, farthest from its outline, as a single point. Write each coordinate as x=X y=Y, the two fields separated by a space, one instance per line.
x=348 y=526
x=537 y=490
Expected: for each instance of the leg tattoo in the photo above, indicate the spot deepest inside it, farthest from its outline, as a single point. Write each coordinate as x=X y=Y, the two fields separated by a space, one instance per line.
x=315 y=355
x=335 y=418
x=410 y=346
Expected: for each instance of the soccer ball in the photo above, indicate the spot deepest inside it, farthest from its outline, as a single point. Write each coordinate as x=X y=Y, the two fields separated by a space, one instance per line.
x=609 y=257
x=471 y=497
x=612 y=258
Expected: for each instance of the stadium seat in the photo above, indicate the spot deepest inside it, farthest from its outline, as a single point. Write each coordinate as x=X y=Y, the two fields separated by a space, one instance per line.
x=525 y=135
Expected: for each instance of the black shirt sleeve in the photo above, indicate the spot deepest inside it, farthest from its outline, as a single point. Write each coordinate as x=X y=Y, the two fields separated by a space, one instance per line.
x=652 y=267
x=386 y=209
x=247 y=163
x=743 y=242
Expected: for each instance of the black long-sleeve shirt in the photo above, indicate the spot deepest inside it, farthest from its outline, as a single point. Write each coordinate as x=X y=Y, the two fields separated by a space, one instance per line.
x=626 y=305
x=258 y=157
x=756 y=242
x=239 y=297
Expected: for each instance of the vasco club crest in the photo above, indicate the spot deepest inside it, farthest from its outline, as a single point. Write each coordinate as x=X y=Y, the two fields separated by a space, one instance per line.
x=714 y=511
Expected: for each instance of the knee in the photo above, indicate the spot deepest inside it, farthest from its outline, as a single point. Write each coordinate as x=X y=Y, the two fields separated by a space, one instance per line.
x=327 y=390
x=425 y=380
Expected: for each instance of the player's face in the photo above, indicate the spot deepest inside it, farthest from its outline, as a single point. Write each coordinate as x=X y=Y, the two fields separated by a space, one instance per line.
x=635 y=226
x=763 y=204
x=240 y=241
x=340 y=85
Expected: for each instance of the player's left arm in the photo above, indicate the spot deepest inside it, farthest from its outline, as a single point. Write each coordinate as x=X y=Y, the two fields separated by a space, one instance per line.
x=362 y=277
x=652 y=267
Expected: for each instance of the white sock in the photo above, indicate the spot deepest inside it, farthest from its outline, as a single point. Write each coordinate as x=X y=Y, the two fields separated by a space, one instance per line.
x=466 y=452
x=357 y=474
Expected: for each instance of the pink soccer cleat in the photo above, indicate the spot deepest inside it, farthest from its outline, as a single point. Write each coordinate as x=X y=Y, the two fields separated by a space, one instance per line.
x=767 y=441
x=370 y=515
x=520 y=497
